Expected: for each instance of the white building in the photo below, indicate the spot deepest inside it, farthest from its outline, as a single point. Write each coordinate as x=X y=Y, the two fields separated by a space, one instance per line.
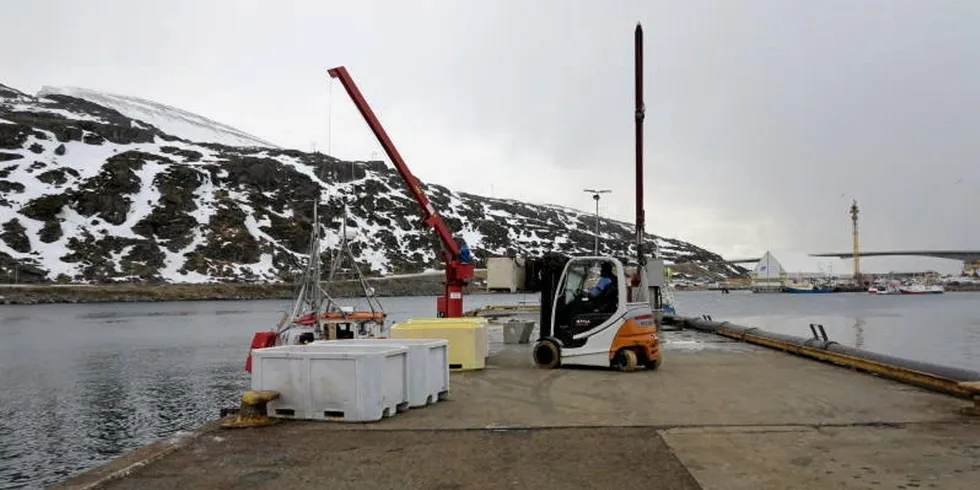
x=778 y=268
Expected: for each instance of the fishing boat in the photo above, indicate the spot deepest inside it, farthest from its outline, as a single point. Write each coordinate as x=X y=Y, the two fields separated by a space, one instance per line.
x=806 y=288
x=892 y=287
x=921 y=289
x=316 y=315
x=883 y=290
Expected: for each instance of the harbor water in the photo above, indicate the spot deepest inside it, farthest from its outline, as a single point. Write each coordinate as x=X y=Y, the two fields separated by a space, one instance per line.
x=942 y=329
x=81 y=384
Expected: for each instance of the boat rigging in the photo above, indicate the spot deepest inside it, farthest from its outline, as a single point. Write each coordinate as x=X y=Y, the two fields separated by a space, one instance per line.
x=316 y=315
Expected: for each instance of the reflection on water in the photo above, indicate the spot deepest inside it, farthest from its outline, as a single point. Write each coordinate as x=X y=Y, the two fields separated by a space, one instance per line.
x=859 y=333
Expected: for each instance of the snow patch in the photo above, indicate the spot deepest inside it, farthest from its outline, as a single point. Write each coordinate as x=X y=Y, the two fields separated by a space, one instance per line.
x=142 y=202
x=168 y=119
x=116 y=257
x=473 y=238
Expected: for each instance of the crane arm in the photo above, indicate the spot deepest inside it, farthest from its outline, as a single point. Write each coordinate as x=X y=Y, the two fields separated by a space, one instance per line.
x=430 y=216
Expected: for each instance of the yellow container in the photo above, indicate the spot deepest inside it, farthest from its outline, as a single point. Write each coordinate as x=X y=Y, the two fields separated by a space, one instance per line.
x=458 y=322
x=450 y=321
x=468 y=343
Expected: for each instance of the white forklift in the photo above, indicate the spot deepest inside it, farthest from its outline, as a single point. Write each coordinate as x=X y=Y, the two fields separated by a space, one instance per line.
x=583 y=324
x=592 y=312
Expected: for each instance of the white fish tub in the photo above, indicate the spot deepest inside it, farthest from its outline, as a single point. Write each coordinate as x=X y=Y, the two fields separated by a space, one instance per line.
x=335 y=383
x=428 y=366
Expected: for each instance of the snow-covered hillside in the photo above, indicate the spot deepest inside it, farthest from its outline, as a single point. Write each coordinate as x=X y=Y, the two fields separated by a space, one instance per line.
x=168 y=119
x=87 y=193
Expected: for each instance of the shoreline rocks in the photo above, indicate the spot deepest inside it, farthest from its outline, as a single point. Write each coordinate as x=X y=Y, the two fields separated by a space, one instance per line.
x=132 y=292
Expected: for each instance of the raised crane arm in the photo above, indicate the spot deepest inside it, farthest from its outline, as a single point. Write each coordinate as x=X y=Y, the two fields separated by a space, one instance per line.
x=451 y=303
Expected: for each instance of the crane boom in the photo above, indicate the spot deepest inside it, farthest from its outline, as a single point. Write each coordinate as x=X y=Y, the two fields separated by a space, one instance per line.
x=451 y=303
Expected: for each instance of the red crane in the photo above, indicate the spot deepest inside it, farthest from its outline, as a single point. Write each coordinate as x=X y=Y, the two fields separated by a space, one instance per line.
x=450 y=304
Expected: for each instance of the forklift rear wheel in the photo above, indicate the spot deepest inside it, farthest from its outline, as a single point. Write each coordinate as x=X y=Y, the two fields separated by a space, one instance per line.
x=546 y=354
x=653 y=364
x=625 y=360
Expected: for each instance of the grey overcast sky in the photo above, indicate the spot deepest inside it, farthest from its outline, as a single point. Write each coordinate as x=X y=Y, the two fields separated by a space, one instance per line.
x=764 y=118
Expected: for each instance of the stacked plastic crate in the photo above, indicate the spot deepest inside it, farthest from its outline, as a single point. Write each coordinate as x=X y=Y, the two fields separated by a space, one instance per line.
x=369 y=379
x=352 y=380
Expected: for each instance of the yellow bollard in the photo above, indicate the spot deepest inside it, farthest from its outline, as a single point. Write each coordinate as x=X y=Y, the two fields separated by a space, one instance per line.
x=254 y=411
x=972 y=387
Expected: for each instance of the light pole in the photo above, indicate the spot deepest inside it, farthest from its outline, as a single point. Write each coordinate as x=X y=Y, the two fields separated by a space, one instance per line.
x=595 y=195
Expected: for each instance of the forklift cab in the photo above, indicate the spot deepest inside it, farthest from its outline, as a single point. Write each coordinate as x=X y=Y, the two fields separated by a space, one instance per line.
x=589 y=293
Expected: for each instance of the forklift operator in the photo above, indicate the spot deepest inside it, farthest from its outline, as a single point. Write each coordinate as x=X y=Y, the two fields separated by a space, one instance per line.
x=606 y=281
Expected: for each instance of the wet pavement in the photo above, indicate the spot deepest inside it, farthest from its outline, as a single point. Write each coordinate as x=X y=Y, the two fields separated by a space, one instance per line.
x=718 y=414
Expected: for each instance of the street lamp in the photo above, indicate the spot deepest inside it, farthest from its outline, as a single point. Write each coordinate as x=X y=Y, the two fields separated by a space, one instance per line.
x=595 y=195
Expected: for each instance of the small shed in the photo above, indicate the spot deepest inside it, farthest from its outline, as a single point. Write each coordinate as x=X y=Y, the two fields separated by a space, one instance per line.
x=505 y=274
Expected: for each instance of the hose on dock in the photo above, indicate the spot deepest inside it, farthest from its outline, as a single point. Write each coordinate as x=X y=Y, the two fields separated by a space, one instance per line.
x=946 y=379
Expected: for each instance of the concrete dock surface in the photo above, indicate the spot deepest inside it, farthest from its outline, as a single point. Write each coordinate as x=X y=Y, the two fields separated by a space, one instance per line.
x=717 y=415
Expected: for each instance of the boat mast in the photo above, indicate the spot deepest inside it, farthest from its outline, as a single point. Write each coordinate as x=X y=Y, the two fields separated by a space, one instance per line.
x=338 y=256
x=343 y=252
x=309 y=297
x=315 y=258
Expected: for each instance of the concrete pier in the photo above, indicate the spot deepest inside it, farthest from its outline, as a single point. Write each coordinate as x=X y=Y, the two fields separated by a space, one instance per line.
x=719 y=414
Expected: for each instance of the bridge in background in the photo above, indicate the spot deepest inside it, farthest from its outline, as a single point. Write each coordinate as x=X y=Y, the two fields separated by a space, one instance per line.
x=970 y=258
x=967 y=256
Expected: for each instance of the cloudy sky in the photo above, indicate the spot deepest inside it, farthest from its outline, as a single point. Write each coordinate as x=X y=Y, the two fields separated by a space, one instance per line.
x=764 y=118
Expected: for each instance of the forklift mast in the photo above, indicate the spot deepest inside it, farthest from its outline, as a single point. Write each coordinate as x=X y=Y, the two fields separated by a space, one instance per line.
x=542 y=275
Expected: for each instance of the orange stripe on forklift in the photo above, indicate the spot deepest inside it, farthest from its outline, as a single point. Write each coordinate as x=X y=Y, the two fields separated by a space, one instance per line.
x=640 y=338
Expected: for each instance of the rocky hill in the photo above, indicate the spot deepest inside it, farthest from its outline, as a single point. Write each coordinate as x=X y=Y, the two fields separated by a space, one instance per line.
x=90 y=194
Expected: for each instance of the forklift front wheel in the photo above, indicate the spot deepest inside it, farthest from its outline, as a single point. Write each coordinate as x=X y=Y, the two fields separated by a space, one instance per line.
x=626 y=360
x=546 y=353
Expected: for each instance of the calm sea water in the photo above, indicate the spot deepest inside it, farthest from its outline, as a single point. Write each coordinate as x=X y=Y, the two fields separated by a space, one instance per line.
x=81 y=384
x=942 y=329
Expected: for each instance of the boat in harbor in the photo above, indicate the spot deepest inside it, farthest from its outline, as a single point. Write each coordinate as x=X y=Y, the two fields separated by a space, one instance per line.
x=884 y=289
x=922 y=289
x=316 y=314
x=896 y=287
x=806 y=288
x=316 y=309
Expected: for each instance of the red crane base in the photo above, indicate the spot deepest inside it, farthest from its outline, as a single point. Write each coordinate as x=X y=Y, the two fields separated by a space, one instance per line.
x=450 y=304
